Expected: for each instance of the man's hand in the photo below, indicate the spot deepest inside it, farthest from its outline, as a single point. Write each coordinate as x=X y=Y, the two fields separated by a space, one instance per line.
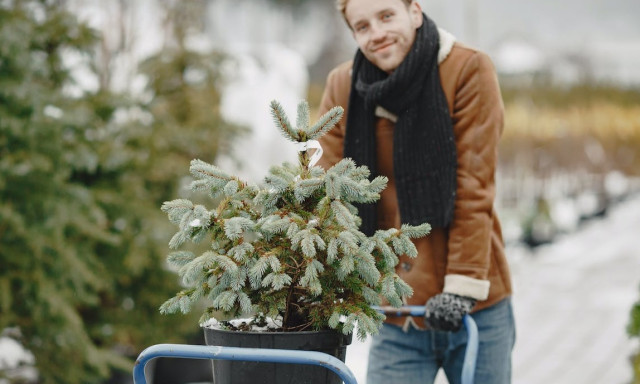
x=444 y=312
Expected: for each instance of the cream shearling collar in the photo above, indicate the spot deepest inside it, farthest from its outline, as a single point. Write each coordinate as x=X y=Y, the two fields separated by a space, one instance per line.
x=446 y=44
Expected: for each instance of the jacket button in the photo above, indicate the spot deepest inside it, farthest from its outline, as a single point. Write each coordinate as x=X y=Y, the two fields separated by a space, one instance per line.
x=406 y=266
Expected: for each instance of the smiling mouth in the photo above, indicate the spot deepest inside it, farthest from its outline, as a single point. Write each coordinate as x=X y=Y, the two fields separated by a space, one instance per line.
x=382 y=47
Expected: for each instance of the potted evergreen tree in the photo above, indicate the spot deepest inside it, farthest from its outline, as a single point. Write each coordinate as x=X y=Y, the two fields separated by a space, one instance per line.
x=289 y=253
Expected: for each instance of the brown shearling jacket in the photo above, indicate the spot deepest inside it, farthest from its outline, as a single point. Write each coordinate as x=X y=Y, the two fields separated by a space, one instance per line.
x=468 y=257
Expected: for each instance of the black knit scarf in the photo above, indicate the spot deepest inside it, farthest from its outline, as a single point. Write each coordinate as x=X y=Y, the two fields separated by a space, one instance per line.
x=424 y=151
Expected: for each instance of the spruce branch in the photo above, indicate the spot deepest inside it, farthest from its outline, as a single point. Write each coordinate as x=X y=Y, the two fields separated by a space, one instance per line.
x=332 y=251
x=180 y=258
x=236 y=226
x=225 y=300
x=343 y=167
x=213 y=176
x=176 y=209
x=241 y=252
x=282 y=122
x=371 y=296
x=304 y=188
x=415 y=232
x=389 y=290
x=366 y=326
x=366 y=267
x=403 y=289
x=325 y=123
x=302 y=121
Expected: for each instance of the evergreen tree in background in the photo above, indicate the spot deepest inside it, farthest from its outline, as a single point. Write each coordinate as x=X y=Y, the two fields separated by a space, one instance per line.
x=82 y=174
x=186 y=100
x=633 y=329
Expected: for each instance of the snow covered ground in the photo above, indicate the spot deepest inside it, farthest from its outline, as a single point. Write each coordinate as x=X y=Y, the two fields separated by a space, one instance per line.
x=572 y=301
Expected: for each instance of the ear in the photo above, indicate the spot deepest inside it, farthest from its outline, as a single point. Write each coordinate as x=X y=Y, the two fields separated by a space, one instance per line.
x=415 y=11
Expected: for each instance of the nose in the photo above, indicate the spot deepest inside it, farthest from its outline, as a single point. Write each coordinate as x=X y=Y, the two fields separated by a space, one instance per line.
x=378 y=32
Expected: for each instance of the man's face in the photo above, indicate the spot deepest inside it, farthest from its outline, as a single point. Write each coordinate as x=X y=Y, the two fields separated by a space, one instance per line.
x=384 y=29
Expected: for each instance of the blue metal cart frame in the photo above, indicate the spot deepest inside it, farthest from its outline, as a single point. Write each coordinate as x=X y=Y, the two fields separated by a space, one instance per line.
x=290 y=356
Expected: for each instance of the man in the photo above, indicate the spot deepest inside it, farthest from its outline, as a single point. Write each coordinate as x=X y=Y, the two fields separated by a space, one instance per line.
x=426 y=112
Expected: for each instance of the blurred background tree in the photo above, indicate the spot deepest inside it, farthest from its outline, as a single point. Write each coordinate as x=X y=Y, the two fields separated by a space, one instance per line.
x=83 y=171
x=186 y=100
x=633 y=329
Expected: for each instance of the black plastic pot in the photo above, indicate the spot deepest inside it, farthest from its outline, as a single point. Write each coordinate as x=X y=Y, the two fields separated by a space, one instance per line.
x=243 y=372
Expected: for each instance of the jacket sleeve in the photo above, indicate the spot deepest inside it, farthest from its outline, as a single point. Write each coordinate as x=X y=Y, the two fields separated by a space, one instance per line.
x=336 y=93
x=478 y=118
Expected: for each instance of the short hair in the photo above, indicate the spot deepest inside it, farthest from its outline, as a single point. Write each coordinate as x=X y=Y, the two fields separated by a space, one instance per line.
x=342 y=5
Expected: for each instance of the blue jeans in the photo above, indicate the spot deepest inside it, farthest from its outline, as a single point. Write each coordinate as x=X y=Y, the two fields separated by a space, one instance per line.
x=416 y=356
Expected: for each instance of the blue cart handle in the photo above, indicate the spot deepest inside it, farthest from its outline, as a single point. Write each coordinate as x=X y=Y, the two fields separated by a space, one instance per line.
x=242 y=354
x=471 y=352
x=292 y=356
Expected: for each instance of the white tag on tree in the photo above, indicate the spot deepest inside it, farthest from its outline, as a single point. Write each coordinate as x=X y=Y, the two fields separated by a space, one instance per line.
x=311 y=144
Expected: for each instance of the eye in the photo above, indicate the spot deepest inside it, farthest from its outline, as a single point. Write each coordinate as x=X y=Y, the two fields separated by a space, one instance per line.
x=386 y=16
x=361 y=27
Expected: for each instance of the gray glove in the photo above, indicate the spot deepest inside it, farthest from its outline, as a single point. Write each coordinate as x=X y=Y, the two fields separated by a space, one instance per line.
x=444 y=312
